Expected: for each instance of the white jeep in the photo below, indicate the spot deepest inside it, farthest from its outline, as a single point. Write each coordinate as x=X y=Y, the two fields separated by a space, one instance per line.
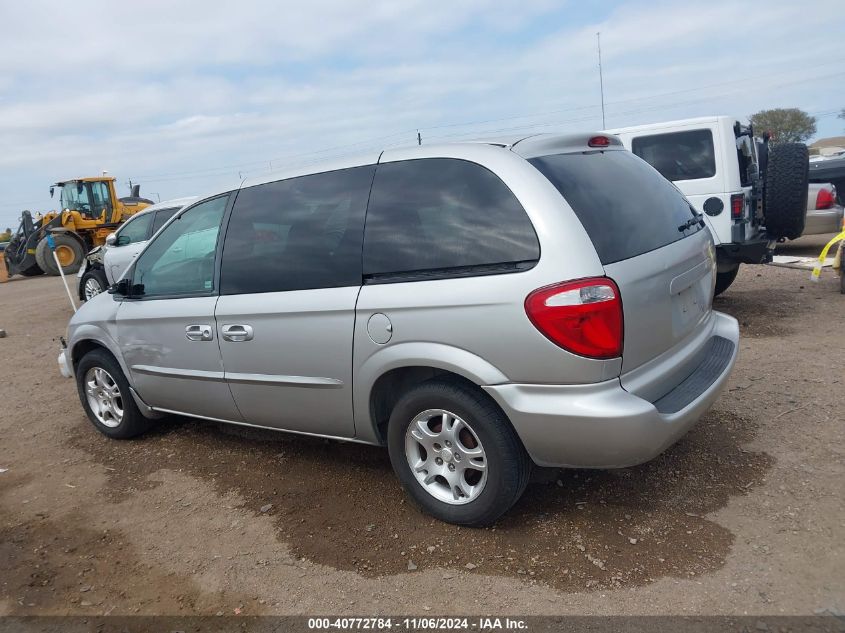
x=752 y=195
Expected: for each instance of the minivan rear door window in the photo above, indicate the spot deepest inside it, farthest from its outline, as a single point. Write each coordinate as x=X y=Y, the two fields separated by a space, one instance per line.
x=297 y=234
x=437 y=217
x=626 y=207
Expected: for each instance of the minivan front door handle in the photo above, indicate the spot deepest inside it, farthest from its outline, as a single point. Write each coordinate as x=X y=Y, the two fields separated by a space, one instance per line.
x=237 y=333
x=199 y=332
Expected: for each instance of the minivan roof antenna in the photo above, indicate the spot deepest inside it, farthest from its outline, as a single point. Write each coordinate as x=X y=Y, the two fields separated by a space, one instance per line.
x=601 y=80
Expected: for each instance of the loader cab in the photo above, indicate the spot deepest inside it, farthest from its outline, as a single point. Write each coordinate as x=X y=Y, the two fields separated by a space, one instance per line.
x=92 y=198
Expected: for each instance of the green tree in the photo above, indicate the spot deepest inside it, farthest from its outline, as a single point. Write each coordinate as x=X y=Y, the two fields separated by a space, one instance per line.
x=786 y=125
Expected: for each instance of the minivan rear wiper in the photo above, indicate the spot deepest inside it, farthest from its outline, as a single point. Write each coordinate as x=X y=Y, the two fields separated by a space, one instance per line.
x=697 y=219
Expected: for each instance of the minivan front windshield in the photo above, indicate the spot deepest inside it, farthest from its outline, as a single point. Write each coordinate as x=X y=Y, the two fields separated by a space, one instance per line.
x=624 y=204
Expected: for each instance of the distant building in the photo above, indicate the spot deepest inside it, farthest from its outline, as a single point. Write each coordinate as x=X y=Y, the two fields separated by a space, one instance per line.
x=830 y=146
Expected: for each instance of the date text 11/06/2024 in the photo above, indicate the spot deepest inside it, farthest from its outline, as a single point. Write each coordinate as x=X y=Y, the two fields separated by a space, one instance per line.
x=418 y=624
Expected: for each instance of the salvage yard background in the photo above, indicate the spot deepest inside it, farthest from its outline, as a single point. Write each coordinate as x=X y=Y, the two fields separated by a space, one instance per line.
x=744 y=515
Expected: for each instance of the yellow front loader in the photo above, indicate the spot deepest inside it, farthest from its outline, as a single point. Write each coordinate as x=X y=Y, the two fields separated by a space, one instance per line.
x=90 y=211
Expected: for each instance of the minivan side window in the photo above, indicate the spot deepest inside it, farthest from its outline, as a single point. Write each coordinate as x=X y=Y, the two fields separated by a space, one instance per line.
x=297 y=234
x=445 y=216
x=678 y=155
x=180 y=260
x=136 y=230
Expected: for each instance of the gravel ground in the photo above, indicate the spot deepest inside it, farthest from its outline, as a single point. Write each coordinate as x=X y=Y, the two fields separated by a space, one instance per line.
x=744 y=515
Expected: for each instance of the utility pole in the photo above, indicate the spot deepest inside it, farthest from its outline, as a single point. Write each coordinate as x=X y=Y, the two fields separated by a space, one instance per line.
x=601 y=81
x=419 y=138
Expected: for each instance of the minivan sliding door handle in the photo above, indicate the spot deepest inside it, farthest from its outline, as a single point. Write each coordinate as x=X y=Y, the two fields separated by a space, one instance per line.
x=237 y=333
x=199 y=333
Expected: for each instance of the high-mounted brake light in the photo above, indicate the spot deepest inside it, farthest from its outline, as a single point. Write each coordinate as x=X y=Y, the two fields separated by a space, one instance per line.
x=583 y=317
x=737 y=205
x=599 y=141
x=825 y=199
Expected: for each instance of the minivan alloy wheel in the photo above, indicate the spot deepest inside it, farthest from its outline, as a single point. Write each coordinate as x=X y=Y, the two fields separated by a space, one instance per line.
x=104 y=397
x=446 y=457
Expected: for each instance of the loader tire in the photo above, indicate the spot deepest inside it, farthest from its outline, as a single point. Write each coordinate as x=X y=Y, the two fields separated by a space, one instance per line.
x=44 y=258
x=32 y=271
x=785 y=190
x=69 y=251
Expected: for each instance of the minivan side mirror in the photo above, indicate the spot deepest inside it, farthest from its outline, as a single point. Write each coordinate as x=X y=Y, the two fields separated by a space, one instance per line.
x=120 y=288
x=111 y=239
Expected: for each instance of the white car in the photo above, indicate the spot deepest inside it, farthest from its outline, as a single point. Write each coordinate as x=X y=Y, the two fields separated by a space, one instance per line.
x=105 y=264
x=750 y=194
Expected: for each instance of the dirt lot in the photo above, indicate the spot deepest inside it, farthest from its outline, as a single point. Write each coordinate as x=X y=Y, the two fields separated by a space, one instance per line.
x=744 y=515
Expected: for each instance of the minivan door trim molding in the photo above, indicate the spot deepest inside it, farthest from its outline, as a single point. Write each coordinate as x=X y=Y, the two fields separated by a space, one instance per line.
x=173 y=372
x=294 y=381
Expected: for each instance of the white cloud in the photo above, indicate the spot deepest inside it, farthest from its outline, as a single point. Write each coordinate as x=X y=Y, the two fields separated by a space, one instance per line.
x=184 y=96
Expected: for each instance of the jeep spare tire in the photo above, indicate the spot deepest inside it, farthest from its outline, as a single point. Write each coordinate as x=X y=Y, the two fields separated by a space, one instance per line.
x=785 y=190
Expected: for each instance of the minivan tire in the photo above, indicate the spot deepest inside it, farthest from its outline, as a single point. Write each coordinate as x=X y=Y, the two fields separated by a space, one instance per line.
x=785 y=190
x=507 y=464
x=131 y=423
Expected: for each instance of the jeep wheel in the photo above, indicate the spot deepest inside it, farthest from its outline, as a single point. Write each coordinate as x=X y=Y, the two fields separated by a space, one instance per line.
x=456 y=454
x=725 y=279
x=785 y=190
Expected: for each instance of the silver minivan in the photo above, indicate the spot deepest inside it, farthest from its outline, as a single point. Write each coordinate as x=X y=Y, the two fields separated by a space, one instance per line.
x=476 y=307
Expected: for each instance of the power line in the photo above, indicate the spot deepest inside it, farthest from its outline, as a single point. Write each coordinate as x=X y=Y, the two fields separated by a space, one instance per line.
x=369 y=142
x=399 y=137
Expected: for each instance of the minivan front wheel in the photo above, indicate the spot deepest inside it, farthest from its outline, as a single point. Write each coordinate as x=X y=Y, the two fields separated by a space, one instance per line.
x=456 y=454
x=104 y=392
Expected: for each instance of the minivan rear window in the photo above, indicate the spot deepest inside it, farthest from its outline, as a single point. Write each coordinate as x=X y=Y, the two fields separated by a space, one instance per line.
x=626 y=207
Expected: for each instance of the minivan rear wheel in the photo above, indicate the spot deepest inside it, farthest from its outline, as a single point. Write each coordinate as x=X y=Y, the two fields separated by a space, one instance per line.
x=104 y=392
x=456 y=454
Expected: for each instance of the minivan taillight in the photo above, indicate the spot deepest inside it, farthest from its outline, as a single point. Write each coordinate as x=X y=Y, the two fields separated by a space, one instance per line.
x=825 y=199
x=583 y=317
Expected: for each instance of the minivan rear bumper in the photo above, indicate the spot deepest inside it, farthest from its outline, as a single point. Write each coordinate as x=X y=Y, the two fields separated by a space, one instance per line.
x=602 y=425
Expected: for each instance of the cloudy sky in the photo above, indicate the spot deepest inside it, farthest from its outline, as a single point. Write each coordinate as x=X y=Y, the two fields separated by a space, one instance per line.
x=189 y=96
